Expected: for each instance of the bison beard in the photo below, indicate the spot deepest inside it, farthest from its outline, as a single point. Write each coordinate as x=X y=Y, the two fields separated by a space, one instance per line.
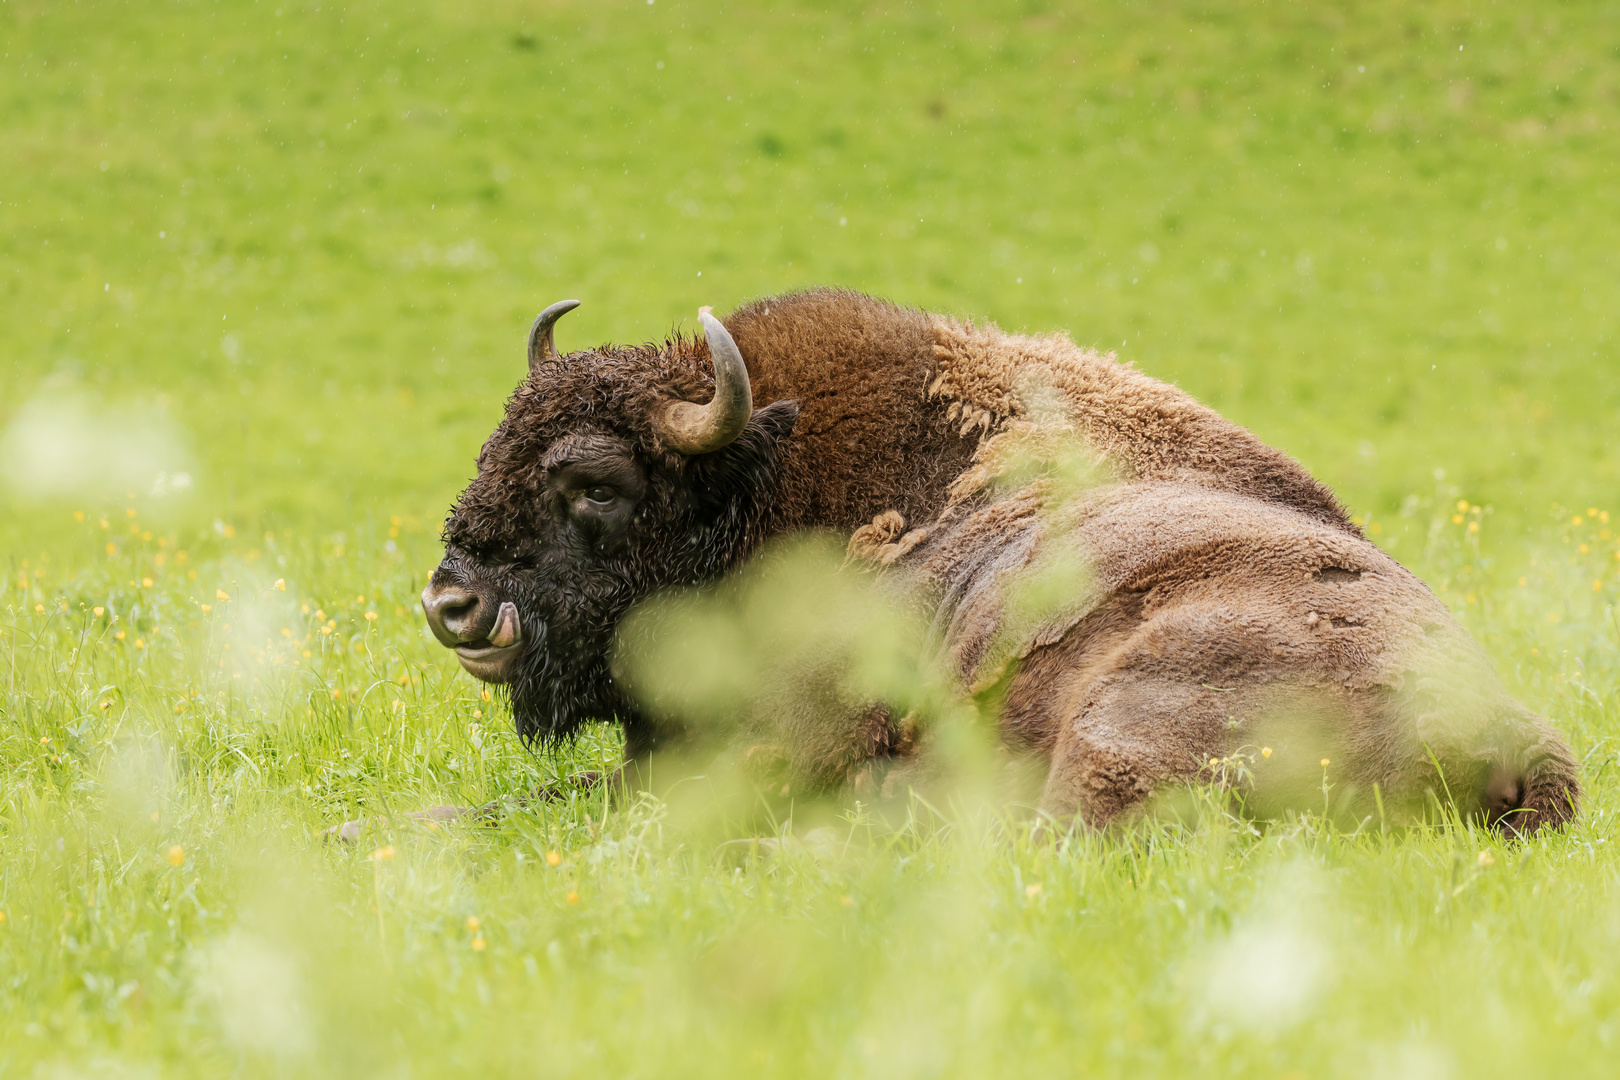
x=563 y=679
x=1225 y=589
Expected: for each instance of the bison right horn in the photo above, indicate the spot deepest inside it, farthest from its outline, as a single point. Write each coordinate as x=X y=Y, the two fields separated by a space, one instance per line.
x=541 y=347
x=689 y=428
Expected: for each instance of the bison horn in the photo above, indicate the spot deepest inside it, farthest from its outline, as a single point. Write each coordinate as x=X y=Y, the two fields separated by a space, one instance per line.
x=541 y=348
x=690 y=428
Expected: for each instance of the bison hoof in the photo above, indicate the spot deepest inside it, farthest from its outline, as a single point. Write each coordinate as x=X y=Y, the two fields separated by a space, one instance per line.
x=347 y=833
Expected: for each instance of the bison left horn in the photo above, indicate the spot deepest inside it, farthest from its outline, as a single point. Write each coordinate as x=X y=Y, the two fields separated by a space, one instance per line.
x=689 y=428
x=541 y=348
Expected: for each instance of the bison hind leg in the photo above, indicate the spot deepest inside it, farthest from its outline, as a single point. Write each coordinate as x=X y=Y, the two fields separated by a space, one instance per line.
x=1133 y=734
x=1270 y=746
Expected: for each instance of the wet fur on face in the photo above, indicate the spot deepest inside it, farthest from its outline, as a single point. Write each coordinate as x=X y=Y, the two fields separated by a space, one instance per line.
x=577 y=512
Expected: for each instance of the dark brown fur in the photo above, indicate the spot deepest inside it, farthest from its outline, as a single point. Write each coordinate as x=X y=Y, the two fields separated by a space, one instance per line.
x=1229 y=601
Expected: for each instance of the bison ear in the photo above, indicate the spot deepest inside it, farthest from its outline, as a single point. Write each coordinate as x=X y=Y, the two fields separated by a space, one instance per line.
x=742 y=475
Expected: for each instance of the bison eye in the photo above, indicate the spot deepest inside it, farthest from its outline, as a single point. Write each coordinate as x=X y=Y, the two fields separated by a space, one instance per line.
x=601 y=496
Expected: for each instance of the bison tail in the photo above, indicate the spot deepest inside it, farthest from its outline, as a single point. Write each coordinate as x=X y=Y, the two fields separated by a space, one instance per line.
x=1543 y=793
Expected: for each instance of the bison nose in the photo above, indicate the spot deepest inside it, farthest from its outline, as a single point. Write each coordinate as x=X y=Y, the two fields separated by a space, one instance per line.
x=456 y=615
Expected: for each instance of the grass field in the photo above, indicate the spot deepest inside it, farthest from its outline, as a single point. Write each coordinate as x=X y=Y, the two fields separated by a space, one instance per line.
x=265 y=273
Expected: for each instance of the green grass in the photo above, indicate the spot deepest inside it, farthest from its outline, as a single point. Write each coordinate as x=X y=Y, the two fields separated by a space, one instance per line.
x=291 y=252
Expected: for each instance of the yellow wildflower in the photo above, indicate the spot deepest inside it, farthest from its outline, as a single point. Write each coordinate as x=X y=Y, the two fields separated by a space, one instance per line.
x=553 y=857
x=176 y=855
x=1265 y=751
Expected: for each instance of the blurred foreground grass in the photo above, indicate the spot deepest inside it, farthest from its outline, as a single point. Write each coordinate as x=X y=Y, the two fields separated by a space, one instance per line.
x=265 y=275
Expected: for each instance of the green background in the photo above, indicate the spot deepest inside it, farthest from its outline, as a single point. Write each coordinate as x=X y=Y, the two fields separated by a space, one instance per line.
x=291 y=250
x=1380 y=235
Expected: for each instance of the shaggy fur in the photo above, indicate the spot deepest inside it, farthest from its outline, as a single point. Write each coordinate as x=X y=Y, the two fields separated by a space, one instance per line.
x=1228 y=604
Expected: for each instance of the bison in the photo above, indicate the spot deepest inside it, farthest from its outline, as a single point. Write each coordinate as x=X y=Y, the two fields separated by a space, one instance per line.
x=1227 y=602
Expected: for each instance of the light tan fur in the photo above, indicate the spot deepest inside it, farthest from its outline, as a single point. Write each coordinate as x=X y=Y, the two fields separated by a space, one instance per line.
x=1227 y=603
x=1010 y=385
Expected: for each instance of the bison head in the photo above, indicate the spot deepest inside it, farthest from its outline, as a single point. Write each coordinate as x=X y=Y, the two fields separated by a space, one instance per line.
x=615 y=473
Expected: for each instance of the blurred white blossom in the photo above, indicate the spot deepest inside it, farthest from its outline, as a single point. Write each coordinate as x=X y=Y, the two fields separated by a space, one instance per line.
x=258 y=993
x=64 y=444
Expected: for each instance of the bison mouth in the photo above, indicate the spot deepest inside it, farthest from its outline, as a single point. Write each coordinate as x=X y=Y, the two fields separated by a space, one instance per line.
x=488 y=638
x=486 y=660
x=551 y=663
